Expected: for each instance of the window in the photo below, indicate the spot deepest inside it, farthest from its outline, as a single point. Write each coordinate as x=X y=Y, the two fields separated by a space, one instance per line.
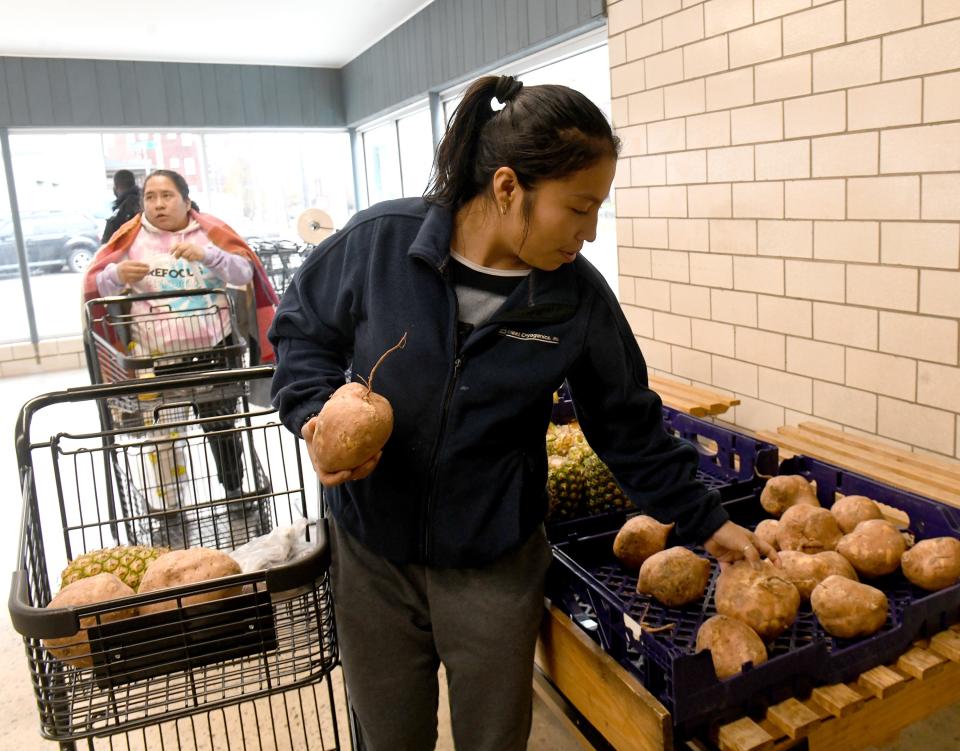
x=382 y=158
x=259 y=183
x=416 y=151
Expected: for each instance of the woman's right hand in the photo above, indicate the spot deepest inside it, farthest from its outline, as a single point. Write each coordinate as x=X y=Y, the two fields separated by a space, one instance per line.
x=129 y=272
x=329 y=479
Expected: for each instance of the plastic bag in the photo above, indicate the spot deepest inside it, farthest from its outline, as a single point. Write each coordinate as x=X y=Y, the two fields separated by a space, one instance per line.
x=282 y=545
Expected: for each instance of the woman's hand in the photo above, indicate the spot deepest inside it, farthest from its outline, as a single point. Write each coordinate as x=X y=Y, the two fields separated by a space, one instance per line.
x=129 y=272
x=329 y=479
x=188 y=251
x=732 y=543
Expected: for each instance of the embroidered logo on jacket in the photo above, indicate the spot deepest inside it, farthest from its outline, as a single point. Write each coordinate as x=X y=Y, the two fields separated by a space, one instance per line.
x=529 y=337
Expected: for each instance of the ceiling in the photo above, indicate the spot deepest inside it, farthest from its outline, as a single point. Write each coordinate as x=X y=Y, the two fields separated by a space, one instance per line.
x=323 y=33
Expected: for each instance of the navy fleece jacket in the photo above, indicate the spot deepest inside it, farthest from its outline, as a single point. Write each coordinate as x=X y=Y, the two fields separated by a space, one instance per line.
x=462 y=479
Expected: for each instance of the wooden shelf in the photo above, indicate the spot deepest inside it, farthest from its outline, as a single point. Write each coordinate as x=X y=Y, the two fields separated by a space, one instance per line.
x=924 y=475
x=866 y=712
x=694 y=400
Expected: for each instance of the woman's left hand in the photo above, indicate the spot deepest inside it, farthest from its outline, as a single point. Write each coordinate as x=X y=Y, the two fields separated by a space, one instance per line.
x=732 y=543
x=188 y=251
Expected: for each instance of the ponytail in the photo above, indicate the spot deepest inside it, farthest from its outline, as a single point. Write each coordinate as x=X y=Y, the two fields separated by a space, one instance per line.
x=541 y=132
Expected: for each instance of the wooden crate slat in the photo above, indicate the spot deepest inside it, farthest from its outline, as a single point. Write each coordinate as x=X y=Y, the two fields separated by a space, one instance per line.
x=931 y=464
x=947 y=644
x=838 y=699
x=744 y=735
x=870 y=469
x=866 y=456
x=793 y=717
x=882 y=682
x=921 y=663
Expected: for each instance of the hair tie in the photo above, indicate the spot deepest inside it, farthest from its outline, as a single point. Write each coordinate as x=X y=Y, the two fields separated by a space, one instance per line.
x=505 y=91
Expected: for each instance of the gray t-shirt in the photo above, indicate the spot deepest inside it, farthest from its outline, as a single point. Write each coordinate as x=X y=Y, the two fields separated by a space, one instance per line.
x=480 y=290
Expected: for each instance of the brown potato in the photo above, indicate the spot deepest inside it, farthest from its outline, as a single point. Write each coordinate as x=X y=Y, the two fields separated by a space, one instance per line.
x=808 y=529
x=783 y=491
x=805 y=570
x=639 y=538
x=767 y=531
x=731 y=643
x=934 y=563
x=848 y=609
x=762 y=598
x=674 y=576
x=75 y=650
x=874 y=547
x=354 y=424
x=191 y=566
x=850 y=510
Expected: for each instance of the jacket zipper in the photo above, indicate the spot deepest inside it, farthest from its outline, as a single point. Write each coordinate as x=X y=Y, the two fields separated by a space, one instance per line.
x=435 y=465
x=447 y=396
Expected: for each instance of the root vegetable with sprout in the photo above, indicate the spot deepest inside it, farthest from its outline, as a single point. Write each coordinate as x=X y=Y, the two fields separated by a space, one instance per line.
x=354 y=424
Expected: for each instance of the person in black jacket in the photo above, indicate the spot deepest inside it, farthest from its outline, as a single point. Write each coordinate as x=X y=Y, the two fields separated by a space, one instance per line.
x=127 y=203
x=439 y=552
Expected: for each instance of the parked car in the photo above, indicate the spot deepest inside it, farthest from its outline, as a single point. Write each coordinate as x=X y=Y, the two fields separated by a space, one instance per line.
x=55 y=240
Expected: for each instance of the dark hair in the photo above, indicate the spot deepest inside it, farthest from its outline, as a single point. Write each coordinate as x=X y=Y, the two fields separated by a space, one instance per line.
x=181 y=185
x=542 y=133
x=123 y=179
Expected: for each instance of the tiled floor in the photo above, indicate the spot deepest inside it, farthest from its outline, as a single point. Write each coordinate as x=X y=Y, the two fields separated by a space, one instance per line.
x=18 y=714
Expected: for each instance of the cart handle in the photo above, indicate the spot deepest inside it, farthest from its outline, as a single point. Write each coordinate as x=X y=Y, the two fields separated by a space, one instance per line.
x=51 y=623
x=126 y=388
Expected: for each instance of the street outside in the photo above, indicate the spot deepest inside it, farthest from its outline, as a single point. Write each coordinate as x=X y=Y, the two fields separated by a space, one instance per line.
x=56 y=303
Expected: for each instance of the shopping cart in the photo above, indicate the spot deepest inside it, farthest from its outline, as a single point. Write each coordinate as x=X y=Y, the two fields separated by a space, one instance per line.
x=252 y=668
x=280 y=258
x=163 y=334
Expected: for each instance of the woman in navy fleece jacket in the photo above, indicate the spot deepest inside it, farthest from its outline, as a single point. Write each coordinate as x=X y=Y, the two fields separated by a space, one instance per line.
x=439 y=553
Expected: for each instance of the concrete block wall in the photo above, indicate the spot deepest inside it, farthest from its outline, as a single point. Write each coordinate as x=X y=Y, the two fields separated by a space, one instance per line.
x=55 y=354
x=788 y=204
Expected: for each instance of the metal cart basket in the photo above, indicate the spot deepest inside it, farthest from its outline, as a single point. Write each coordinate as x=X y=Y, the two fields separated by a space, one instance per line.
x=243 y=661
x=280 y=258
x=164 y=334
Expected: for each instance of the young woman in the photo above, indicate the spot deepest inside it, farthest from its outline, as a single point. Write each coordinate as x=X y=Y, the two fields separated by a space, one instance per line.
x=439 y=553
x=172 y=247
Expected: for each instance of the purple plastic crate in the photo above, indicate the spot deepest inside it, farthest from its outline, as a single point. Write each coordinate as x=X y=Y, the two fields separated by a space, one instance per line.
x=733 y=469
x=596 y=591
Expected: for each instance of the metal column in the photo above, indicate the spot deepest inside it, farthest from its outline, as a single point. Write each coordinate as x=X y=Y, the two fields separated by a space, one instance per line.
x=18 y=240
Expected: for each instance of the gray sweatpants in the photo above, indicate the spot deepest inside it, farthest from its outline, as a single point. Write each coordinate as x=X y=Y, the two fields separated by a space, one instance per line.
x=397 y=623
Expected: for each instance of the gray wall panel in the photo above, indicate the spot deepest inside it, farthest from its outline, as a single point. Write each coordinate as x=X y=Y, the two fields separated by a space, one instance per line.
x=17 y=94
x=537 y=18
x=84 y=99
x=109 y=93
x=229 y=94
x=288 y=97
x=153 y=93
x=461 y=38
x=129 y=94
x=37 y=83
x=65 y=93
x=171 y=85
x=191 y=95
x=268 y=82
x=5 y=113
x=567 y=12
x=253 y=110
x=59 y=91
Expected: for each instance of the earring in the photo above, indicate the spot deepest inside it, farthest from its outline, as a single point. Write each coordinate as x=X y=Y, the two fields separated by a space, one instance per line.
x=503 y=208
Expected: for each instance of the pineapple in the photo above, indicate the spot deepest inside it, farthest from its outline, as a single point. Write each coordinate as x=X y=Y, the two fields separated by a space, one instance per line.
x=603 y=493
x=127 y=562
x=578 y=482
